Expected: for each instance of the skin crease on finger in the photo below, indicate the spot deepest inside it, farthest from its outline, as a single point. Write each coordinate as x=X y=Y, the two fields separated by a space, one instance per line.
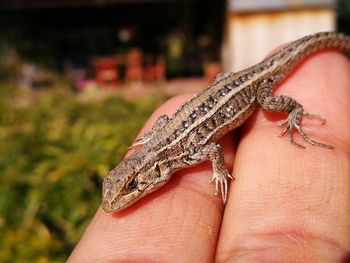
x=293 y=205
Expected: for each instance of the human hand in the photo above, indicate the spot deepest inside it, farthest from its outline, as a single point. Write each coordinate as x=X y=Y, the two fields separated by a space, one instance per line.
x=286 y=204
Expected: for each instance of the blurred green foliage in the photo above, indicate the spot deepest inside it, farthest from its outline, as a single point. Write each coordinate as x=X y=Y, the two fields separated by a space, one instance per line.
x=54 y=152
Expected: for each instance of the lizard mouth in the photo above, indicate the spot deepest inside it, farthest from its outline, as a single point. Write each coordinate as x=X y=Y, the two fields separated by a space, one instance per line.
x=121 y=202
x=106 y=206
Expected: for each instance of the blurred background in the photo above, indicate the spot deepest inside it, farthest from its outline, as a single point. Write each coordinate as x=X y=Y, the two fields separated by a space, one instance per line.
x=78 y=78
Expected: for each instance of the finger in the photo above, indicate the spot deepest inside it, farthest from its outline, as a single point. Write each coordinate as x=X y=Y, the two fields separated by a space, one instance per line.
x=290 y=204
x=179 y=222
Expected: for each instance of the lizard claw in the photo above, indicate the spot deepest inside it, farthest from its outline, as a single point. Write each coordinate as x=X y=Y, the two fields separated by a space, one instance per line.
x=139 y=141
x=315 y=116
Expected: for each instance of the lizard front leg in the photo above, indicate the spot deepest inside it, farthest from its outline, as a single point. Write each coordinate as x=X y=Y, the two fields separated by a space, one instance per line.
x=157 y=126
x=213 y=152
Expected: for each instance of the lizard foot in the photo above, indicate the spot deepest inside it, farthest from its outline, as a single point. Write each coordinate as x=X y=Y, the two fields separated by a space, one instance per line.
x=293 y=122
x=221 y=179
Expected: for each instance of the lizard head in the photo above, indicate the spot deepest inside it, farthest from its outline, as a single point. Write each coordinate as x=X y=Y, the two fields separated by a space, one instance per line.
x=131 y=180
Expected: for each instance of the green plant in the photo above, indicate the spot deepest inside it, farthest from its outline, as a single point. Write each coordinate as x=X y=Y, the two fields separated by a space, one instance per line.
x=54 y=151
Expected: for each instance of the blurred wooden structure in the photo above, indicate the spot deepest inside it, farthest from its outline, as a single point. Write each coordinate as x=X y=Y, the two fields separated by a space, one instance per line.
x=105 y=72
x=189 y=40
x=155 y=70
x=134 y=71
x=255 y=27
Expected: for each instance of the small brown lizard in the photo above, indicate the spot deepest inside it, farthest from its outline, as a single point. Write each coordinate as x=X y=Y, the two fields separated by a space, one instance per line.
x=190 y=135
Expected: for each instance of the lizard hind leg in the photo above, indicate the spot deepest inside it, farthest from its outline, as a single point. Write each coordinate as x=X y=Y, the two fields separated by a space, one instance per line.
x=293 y=122
x=290 y=106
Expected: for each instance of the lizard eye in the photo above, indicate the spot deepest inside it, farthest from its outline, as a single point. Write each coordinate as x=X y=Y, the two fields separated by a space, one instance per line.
x=132 y=185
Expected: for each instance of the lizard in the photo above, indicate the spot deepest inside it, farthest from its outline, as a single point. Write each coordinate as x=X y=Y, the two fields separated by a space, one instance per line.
x=190 y=135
